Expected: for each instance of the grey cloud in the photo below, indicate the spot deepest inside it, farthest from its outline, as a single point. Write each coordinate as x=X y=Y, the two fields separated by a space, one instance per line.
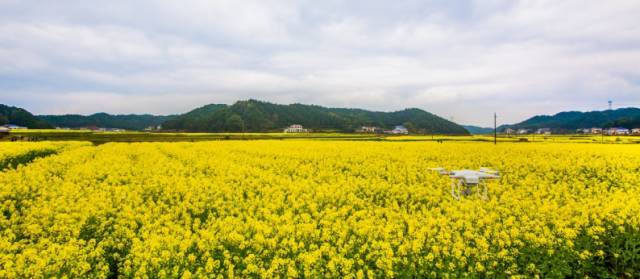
x=460 y=59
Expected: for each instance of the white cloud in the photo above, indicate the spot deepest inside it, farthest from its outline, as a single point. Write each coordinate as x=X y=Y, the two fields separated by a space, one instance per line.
x=464 y=59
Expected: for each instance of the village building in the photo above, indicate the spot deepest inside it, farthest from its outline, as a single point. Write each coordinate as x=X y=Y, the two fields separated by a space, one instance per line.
x=295 y=128
x=595 y=130
x=14 y=127
x=523 y=131
x=635 y=131
x=509 y=131
x=618 y=131
x=398 y=130
x=368 y=129
x=583 y=131
x=544 y=131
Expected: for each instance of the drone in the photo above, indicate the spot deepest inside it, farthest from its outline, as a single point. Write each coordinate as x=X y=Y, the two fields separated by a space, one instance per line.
x=463 y=181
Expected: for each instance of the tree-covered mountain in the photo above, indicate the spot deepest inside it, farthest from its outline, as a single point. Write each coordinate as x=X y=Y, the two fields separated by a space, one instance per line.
x=20 y=117
x=476 y=130
x=571 y=120
x=195 y=120
x=125 y=121
x=257 y=116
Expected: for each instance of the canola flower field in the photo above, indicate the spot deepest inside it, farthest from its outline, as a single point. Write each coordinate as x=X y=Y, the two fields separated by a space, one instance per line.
x=314 y=209
x=14 y=154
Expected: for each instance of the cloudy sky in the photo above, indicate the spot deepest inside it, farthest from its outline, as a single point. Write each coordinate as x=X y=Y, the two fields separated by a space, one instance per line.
x=459 y=59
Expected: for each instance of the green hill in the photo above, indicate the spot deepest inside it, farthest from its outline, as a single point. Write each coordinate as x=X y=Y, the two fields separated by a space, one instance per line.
x=257 y=116
x=128 y=121
x=571 y=120
x=20 y=117
x=196 y=120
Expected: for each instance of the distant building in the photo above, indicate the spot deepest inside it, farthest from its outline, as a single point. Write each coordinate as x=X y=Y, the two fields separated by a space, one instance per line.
x=295 y=128
x=14 y=127
x=523 y=132
x=583 y=131
x=153 y=128
x=617 y=131
x=509 y=131
x=635 y=131
x=4 y=129
x=595 y=130
x=544 y=131
x=398 y=130
x=368 y=129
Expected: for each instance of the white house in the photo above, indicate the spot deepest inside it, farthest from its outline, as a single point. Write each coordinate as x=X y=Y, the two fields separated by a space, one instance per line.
x=595 y=130
x=367 y=129
x=509 y=131
x=295 y=128
x=14 y=127
x=635 y=131
x=399 y=130
x=583 y=131
x=544 y=131
x=523 y=131
x=618 y=131
x=4 y=129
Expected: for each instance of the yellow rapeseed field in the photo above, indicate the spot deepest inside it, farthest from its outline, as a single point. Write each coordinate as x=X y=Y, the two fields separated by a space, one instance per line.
x=13 y=154
x=321 y=209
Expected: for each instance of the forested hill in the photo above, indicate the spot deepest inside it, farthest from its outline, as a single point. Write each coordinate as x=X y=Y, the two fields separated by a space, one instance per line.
x=257 y=116
x=572 y=120
x=128 y=121
x=20 y=117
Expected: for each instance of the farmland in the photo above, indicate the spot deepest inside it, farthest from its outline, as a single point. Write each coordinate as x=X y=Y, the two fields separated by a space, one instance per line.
x=309 y=208
x=134 y=136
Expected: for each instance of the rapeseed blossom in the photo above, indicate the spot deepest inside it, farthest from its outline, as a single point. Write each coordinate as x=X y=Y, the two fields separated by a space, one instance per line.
x=320 y=209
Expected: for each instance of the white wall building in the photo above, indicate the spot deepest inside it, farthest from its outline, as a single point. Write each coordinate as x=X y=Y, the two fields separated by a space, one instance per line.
x=295 y=128
x=544 y=131
x=618 y=131
x=14 y=127
x=367 y=129
x=399 y=130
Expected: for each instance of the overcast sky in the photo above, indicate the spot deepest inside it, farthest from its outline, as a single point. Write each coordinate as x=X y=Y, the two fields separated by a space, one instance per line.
x=458 y=59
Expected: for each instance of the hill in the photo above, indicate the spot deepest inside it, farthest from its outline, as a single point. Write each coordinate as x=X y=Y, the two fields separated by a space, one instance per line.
x=257 y=116
x=195 y=120
x=476 y=130
x=569 y=121
x=128 y=121
x=20 y=117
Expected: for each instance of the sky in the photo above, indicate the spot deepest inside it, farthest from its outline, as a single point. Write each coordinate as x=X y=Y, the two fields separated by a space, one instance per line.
x=462 y=60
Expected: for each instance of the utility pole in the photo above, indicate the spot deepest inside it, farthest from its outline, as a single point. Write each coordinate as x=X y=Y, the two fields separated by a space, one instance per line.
x=495 y=128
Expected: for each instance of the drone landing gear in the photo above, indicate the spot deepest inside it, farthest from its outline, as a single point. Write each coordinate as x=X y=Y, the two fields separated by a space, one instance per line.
x=459 y=188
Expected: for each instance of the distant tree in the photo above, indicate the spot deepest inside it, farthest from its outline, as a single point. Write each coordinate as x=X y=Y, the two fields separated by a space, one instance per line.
x=409 y=126
x=234 y=123
x=21 y=117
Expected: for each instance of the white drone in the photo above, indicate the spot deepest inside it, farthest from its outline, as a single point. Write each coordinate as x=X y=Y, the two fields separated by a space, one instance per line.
x=462 y=181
